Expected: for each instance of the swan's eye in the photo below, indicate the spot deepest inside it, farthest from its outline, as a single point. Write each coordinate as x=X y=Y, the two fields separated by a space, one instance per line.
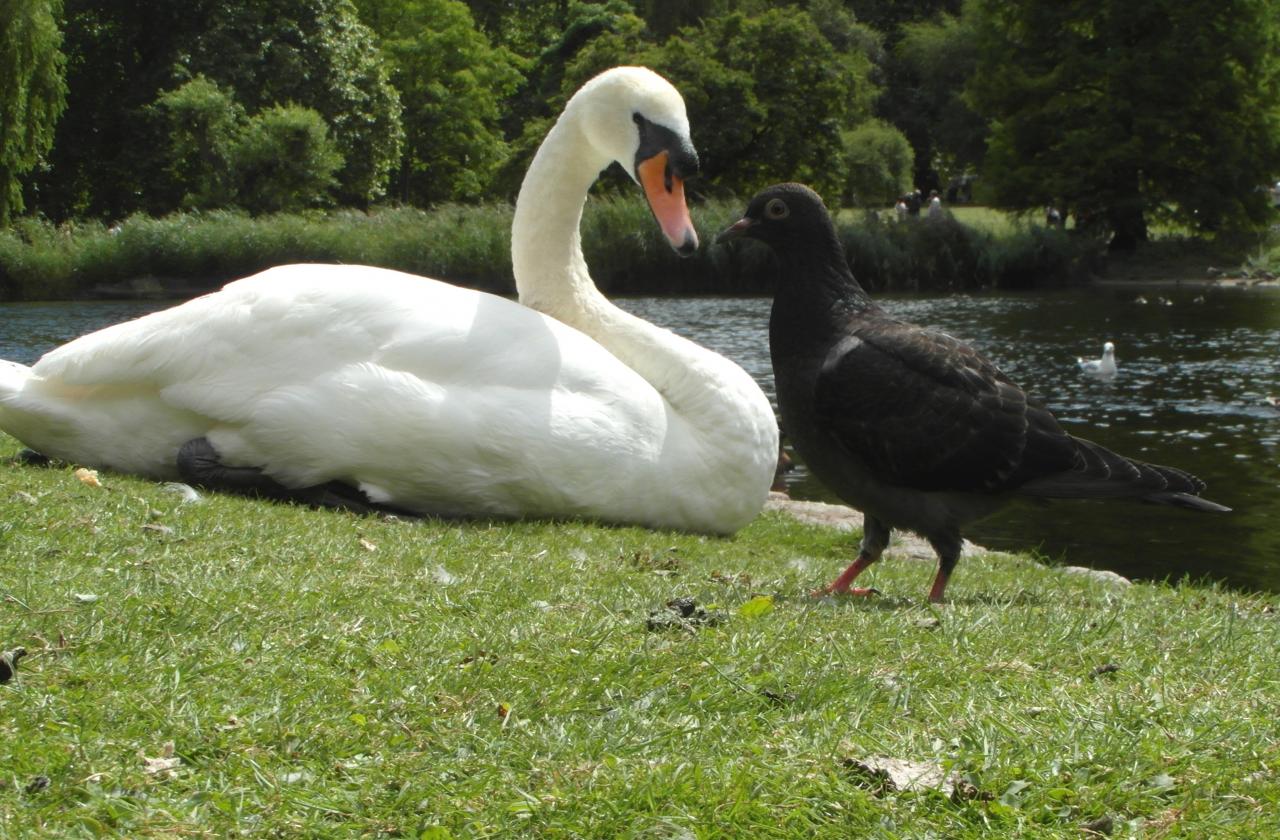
x=777 y=209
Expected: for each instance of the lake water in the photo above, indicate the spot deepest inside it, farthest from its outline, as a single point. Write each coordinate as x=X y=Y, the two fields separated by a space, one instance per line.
x=1193 y=375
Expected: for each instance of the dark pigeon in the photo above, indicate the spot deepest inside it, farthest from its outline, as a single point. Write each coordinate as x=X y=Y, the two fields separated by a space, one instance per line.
x=909 y=425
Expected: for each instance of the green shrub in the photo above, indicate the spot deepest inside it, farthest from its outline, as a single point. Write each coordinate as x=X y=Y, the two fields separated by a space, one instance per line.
x=878 y=159
x=202 y=122
x=284 y=160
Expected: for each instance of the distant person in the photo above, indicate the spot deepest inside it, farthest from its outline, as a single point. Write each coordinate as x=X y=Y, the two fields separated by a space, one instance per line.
x=912 y=202
x=935 y=205
x=900 y=210
x=1052 y=218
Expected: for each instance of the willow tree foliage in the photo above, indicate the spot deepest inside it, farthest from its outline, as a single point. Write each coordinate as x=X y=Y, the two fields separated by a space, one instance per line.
x=32 y=92
x=1120 y=112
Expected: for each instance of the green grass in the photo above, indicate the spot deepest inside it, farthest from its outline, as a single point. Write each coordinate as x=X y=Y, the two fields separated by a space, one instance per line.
x=326 y=675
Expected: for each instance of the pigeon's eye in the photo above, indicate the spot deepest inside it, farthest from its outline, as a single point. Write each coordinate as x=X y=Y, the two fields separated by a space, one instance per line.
x=777 y=209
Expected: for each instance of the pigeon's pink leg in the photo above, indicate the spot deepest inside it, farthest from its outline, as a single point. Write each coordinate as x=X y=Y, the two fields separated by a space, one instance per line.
x=948 y=556
x=939 y=586
x=841 y=585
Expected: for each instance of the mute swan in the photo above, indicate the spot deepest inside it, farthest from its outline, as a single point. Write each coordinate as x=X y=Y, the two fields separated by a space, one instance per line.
x=313 y=382
x=1105 y=367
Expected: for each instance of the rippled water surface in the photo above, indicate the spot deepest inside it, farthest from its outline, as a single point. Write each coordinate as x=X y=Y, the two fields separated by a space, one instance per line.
x=1195 y=366
x=1193 y=374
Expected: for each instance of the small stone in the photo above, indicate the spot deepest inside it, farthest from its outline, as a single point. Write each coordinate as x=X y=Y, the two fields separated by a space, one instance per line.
x=885 y=774
x=684 y=607
x=1102 y=826
x=682 y=612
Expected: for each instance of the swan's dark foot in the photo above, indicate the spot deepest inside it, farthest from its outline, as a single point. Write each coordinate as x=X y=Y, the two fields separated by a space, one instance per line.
x=32 y=458
x=200 y=464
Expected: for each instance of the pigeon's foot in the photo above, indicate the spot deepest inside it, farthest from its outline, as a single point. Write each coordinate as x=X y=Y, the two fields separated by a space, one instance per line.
x=833 y=589
x=843 y=585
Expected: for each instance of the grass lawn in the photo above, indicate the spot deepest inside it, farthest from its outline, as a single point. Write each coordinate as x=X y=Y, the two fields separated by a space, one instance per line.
x=224 y=666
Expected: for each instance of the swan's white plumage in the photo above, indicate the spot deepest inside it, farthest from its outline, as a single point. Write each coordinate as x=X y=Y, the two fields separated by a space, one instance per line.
x=427 y=396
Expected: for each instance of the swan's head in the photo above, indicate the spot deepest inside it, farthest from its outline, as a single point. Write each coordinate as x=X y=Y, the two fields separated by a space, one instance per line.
x=636 y=117
x=1108 y=349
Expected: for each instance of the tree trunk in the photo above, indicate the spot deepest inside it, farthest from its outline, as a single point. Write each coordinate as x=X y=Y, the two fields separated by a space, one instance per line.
x=1125 y=214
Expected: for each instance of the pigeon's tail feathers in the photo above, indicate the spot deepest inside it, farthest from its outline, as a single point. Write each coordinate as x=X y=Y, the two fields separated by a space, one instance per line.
x=1186 y=500
x=1099 y=473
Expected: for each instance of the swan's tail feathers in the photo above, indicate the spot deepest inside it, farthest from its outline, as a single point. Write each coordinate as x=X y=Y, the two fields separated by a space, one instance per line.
x=1100 y=473
x=13 y=377
x=21 y=414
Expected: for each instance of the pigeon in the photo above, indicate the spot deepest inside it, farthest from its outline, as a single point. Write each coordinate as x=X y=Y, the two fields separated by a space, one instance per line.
x=1103 y=368
x=911 y=426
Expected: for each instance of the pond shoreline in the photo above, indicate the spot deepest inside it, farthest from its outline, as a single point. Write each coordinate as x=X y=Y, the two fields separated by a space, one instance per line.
x=147 y=288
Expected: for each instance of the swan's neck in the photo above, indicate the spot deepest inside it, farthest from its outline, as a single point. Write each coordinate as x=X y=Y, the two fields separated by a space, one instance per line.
x=546 y=251
x=552 y=277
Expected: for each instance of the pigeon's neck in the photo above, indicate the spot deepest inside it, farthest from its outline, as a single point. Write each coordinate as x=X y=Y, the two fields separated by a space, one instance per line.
x=817 y=296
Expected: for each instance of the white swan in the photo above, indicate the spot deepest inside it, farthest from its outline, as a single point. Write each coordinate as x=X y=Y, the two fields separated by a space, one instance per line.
x=305 y=381
x=1105 y=367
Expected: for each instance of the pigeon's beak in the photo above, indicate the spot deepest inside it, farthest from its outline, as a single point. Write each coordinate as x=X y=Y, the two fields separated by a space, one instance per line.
x=736 y=230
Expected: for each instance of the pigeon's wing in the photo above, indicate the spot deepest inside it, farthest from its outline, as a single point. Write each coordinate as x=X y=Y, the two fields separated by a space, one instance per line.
x=923 y=410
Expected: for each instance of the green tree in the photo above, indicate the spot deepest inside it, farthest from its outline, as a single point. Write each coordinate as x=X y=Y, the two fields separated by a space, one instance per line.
x=284 y=159
x=106 y=148
x=934 y=59
x=32 y=92
x=1121 y=112
x=888 y=16
x=591 y=37
x=318 y=54
x=204 y=122
x=768 y=94
x=806 y=94
x=122 y=56
x=524 y=28
x=452 y=83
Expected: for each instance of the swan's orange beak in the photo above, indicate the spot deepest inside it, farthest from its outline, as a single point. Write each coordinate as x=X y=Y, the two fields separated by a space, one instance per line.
x=665 y=193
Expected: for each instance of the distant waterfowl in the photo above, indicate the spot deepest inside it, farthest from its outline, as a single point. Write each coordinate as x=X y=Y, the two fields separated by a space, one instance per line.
x=1104 y=367
x=907 y=424
x=354 y=386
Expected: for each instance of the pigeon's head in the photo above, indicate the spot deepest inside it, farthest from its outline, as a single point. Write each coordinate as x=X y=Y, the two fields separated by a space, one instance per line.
x=785 y=216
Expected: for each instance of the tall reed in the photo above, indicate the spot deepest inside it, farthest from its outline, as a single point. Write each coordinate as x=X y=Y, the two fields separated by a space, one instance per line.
x=189 y=253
